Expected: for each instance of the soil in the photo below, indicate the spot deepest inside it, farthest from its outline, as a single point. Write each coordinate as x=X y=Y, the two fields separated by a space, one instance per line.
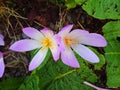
x=38 y=14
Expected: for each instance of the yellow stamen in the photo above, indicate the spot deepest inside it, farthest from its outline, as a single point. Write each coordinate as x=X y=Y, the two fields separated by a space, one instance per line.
x=47 y=43
x=68 y=41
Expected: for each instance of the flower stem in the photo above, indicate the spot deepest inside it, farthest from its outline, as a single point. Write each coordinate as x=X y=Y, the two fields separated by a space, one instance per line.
x=93 y=86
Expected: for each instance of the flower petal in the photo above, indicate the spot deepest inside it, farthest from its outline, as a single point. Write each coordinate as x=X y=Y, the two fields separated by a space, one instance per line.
x=69 y=58
x=2 y=66
x=87 y=38
x=47 y=32
x=65 y=30
x=25 y=45
x=55 y=49
x=96 y=40
x=37 y=59
x=85 y=53
x=1 y=40
x=60 y=42
x=1 y=36
x=33 y=33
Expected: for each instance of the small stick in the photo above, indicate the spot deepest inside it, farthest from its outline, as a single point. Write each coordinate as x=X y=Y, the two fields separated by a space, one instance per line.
x=81 y=25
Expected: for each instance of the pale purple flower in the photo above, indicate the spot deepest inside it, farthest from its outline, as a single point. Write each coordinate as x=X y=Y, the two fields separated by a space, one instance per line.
x=2 y=65
x=76 y=40
x=42 y=40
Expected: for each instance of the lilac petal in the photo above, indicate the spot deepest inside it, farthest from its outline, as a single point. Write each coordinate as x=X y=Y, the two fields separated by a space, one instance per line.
x=25 y=45
x=2 y=66
x=79 y=33
x=94 y=39
x=60 y=42
x=85 y=53
x=87 y=38
x=58 y=38
x=69 y=58
x=55 y=49
x=47 y=32
x=1 y=36
x=1 y=40
x=33 y=33
x=65 y=30
x=37 y=59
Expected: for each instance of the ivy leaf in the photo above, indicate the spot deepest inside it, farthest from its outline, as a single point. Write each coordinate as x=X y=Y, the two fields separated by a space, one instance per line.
x=112 y=53
x=103 y=9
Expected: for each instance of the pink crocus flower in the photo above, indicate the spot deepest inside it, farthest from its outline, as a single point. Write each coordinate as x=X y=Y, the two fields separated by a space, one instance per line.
x=76 y=40
x=2 y=65
x=42 y=40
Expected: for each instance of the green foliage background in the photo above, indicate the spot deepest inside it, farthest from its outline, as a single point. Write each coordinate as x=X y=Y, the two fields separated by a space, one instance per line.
x=112 y=53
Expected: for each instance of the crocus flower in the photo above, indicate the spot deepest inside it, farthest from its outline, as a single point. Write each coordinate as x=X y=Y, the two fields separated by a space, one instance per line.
x=42 y=40
x=2 y=65
x=76 y=40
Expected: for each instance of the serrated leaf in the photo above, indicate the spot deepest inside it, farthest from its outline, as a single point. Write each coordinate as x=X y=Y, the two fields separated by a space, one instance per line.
x=112 y=53
x=11 y=83
x=103 y=9
x=30 y=83
x=58 y=76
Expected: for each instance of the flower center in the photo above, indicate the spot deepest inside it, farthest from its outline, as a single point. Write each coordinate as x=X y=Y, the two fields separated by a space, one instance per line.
x=68 y=41
x=47 y=42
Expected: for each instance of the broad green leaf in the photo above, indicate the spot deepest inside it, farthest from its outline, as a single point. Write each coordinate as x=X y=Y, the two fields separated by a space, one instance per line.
x=112 y=53
x=58 y=76
x=30 y=83
x=11 y=83
x=103 y=9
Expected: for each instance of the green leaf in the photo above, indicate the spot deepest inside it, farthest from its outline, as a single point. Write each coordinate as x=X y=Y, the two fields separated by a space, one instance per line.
x=80 y=2
x=30 y=83
x=58 y=76
x=70 y=4
x=103 y=9
x=11 y=83
x=112 y=53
